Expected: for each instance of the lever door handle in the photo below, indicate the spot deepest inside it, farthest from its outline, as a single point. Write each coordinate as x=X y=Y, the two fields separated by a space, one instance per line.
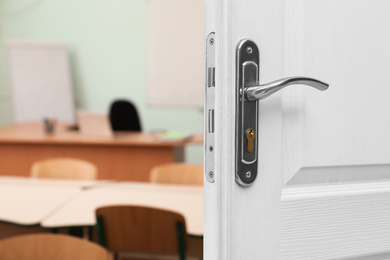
x=262 y=91
x=248 y=93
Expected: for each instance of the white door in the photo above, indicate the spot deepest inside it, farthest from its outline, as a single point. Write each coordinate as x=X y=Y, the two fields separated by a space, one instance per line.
x=322 y=189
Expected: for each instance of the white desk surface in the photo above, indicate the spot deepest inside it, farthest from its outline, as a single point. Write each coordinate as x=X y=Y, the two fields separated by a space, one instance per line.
x=26 y=201
x=80 y=210
x=81 y=184
x=29 y=204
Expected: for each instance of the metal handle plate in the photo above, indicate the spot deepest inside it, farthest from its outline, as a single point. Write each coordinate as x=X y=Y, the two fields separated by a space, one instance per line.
x=247 y=58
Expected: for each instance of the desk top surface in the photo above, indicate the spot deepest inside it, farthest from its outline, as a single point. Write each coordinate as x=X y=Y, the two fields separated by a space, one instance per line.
x=29 y=204
x=65 y=203
x=30 y=133
x=26 y=201
x=31 y=181
x=80 y=210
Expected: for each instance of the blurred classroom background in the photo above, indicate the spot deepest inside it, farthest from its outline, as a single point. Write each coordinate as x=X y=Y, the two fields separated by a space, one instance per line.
x=106 y=41
x=67 y=181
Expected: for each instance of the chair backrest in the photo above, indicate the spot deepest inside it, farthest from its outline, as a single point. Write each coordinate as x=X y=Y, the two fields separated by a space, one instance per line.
x=177 y=173
x=50 y=247
x=124 y=116
x=125 y=228
x=64 y=168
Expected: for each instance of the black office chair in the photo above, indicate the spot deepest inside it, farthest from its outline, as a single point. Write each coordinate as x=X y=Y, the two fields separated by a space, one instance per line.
x=124 y=116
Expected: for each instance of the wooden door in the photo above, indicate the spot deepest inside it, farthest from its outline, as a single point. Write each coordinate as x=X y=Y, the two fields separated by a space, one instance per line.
x=322 y=189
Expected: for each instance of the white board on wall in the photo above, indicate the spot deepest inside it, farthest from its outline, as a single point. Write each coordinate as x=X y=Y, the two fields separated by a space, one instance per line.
x=40 y=79
x=175 y=52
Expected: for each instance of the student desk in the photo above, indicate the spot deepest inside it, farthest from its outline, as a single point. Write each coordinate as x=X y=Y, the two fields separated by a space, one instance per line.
x=80 y=210
x=129 y=156
x=52 y=182
x=25 y=202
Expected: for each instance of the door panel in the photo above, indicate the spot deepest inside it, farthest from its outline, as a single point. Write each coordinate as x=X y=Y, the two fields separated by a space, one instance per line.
x=346 y=44
x=328 y=221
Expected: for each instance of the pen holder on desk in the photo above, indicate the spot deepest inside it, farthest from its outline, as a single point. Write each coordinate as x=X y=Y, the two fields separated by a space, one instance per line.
x=49 y=125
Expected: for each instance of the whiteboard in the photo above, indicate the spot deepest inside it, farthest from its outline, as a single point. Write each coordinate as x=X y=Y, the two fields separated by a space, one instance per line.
x=175 y=52
x=40 y=81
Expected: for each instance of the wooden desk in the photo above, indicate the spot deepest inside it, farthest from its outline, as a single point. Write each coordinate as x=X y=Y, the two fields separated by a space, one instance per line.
x=127 y=157
x=80 y=211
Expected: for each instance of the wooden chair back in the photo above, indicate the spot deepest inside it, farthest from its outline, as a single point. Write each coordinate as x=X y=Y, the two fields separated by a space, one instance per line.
x=177 y=173
x=50 y=247
x=138 y=229
x=64 y=168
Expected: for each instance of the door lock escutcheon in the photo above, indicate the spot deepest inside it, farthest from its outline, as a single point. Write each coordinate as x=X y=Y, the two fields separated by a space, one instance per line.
x=248 y=93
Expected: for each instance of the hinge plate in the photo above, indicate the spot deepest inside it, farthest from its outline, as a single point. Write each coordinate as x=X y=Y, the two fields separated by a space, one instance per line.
x=247 y=75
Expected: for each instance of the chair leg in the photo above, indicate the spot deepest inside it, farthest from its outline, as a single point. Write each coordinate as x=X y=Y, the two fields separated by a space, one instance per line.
x=180 y=241
x=100 y=231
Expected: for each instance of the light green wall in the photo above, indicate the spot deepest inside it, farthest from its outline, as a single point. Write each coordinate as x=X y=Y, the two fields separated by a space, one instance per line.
x=106 y=41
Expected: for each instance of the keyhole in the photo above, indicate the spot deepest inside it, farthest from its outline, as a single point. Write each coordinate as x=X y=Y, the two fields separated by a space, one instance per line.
x=250 y=135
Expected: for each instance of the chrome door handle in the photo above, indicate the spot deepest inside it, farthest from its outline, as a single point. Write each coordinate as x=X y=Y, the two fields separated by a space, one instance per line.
x=248 y=93
x=262 y=91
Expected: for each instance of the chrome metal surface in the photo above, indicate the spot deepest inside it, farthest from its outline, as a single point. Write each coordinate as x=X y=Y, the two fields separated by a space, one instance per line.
x=209 y=146
x=247 y=74
x=211 y=121
x=262 y=91
x=211 y=77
